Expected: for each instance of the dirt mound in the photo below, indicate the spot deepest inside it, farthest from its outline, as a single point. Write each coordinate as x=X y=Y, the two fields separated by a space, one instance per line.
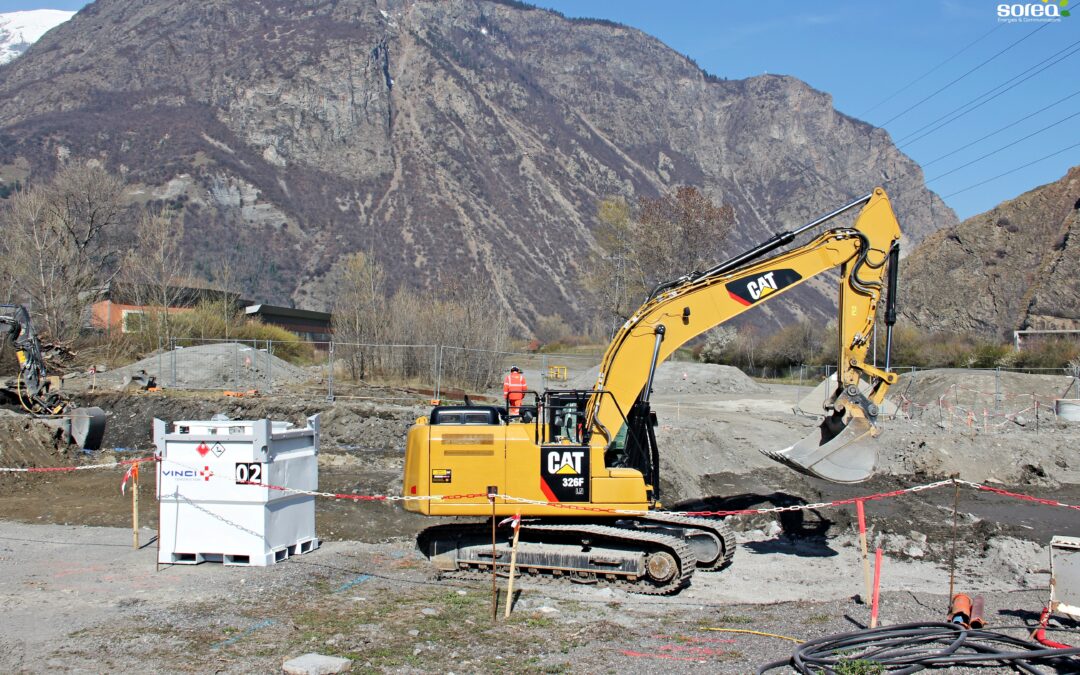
x=679 y=377
x=27 y=442
x=1000 y=391
x=221 y=365
x=346 y=425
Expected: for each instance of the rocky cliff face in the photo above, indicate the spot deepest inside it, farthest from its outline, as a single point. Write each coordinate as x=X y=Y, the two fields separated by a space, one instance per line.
x=1013 y=267
x=460 y=139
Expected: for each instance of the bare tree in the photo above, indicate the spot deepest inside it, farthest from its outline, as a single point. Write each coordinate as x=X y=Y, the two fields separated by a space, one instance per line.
x=609 y=272
x=677 y=233
x=152 y=271
x=660 y=240
x=55 y=244
x=359 y=310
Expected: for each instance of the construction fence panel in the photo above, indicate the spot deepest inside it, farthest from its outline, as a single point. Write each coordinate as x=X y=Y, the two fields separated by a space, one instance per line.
x=302 y=366
x=479 y=371
x=978 y=400
x=985 y=400
x=239 y=365
x=352 y=365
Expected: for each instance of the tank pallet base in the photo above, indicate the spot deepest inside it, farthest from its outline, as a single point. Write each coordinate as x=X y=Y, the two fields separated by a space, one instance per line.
x=240 y=559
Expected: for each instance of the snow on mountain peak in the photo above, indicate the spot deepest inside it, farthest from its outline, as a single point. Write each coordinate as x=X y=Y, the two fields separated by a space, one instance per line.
x=19 y=30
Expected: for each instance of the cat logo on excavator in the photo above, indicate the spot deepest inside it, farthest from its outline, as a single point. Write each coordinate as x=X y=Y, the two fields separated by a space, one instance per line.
x=565 y=462
x=747 y=291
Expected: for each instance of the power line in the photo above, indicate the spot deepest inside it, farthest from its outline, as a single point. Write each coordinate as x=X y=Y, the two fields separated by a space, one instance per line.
x=998 y=131
x=929 y=72
x=1010 y=171
x=976 y=104
x=1004 y=147
x=969 y=72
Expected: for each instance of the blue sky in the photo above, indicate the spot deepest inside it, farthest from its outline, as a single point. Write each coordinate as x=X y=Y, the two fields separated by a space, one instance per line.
x=864 y=52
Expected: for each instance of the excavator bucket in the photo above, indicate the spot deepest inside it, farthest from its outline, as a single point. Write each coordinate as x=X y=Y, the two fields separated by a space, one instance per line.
x=842 y=451
x=87 y=427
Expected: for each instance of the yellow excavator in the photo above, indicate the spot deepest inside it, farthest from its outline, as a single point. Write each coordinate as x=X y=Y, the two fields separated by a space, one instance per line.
x=581 y=467
x=32 y=391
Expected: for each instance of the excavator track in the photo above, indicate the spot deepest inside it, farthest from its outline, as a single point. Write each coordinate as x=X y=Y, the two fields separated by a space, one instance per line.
x=703 y=534
x=638 y=561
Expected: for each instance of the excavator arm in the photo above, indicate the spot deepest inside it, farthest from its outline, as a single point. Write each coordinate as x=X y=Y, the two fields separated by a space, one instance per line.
x=20 y=332
x=82 y=426
x=680 y=310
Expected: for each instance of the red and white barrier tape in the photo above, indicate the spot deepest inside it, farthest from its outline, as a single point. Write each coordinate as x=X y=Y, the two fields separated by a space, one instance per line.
x=738 y=512
x=578 y=507
x=66 y=469
x=1017 y=495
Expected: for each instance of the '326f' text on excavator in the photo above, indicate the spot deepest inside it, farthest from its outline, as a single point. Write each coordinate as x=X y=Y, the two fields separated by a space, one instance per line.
x=584 y=472
x=32 y=392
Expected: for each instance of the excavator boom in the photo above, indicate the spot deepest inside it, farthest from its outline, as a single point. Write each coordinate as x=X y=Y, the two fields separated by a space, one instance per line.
x=679 y=311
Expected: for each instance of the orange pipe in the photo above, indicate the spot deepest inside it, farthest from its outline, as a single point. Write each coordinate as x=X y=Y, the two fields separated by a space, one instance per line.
x=960 y=612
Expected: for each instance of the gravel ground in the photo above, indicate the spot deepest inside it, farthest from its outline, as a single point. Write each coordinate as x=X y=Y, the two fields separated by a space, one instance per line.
x=78 y=598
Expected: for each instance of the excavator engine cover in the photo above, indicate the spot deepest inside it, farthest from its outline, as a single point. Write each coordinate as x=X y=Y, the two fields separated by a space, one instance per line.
x=839 y=453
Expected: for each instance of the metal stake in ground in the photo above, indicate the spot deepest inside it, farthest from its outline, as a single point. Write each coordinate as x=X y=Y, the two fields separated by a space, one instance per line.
x=491 y=492
x=865 y=554
x=952 y=555
x=874 y=603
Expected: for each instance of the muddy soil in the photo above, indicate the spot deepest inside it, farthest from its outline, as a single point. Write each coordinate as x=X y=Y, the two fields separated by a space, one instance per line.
x=97 y=605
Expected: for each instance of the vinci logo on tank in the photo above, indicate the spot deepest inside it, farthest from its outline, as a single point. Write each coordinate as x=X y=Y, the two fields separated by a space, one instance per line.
x=1029 y=12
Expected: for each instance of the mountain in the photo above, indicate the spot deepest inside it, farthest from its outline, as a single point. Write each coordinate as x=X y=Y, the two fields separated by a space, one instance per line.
x=458 y=142
x=19 y=30
x=1013 y=267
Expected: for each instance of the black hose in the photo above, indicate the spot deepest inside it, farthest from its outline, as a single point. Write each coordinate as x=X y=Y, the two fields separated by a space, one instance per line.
x=911 y=647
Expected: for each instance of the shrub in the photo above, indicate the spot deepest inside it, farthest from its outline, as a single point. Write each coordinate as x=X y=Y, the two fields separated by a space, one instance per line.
x=285 y=345
x=810 y=344
x=1049 y=353
x=220 y=320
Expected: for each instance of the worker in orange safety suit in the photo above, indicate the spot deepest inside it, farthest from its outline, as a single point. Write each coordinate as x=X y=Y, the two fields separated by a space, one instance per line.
x=514 y=389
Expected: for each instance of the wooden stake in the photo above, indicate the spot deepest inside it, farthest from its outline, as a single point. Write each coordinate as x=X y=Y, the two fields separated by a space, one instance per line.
x=513 y=564
x=135 y=506
x=865 y=553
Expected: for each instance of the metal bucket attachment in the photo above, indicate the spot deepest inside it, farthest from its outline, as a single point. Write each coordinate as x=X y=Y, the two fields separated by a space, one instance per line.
x=87 y=427
x=840 y=452
x=140 y=381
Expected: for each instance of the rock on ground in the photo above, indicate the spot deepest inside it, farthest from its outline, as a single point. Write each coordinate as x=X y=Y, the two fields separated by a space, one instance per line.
x=316 y=664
